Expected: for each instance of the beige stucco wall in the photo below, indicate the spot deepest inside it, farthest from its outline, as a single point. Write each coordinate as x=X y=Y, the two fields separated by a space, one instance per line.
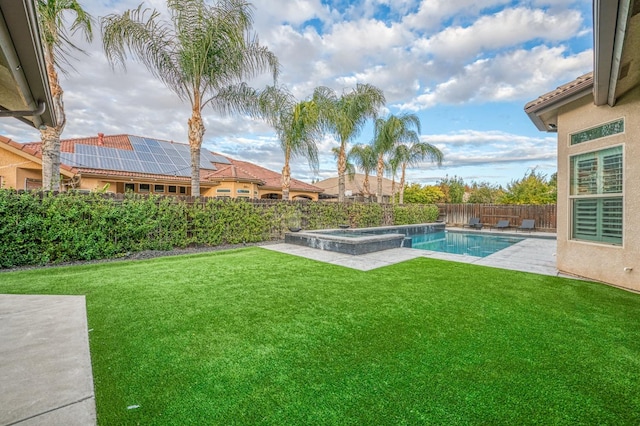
x=96 y=184
x=14 y=169
x=312 y=195
x=232 y=188
x=595 y=261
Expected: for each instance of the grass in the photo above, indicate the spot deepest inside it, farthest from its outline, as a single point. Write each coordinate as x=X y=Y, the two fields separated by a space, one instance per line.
x=257 y=337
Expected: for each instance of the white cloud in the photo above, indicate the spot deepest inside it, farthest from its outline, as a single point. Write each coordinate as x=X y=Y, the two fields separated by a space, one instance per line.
x=432 y=13
x=521 y=74
x=509 y=27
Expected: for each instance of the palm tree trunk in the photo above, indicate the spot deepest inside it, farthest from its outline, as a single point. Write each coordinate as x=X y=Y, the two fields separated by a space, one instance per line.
x=380 y=172
x=393 y=189
x=402 y=177
x=342 y=168
x=286 y=179
x=51 y=135
x=196 y=133
x=365 y=185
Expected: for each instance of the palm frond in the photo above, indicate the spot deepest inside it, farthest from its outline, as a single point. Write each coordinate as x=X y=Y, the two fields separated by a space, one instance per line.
x=56 y=38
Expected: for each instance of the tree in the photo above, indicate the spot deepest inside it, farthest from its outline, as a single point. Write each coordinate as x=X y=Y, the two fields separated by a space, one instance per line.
x=203 y=55
x=297 y=127
x=364 y=158
x=416 y=194
x=345 y=117
x=390 y=132
x=411 y=154
x=485 y=193
x=57 y=44
x=533 y=188
x=453 y=189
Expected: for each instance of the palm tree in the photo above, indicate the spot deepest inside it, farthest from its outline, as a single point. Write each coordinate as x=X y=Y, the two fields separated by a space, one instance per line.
x=389 y=132
x=203 y=55
x=297 y=127
x=364 y=158
x=392 y=168
x=56 y=40
x=411 y=154
x=345 y=117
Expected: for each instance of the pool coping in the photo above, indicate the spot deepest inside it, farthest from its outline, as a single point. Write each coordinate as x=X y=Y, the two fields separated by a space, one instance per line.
x=536 y=253
x=370 y=240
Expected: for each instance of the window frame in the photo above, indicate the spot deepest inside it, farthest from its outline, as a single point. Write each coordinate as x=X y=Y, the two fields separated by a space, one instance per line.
x=607 y=206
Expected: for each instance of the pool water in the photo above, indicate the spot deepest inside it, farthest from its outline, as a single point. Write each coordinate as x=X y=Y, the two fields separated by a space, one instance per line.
x=465 y=243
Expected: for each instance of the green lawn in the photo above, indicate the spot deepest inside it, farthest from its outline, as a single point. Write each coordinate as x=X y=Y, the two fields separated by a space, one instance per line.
x=257 y=337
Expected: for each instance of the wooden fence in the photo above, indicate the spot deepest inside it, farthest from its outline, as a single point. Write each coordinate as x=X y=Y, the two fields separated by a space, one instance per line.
x=489 y=214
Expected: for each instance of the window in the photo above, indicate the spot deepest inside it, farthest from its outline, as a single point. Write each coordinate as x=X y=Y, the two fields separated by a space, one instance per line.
x=158 y=188
x=173 y=189
x=596 y=196
x=144 y=187
x=129 y=187
x=183 y=190
x=223 y=191
x=243 y=191
x=598 y=132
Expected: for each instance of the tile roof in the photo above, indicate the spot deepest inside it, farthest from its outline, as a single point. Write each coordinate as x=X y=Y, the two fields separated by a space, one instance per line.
x=31 y=150
x=355 y=185
x=561 y=92
x=270 y=178
x=68 y=145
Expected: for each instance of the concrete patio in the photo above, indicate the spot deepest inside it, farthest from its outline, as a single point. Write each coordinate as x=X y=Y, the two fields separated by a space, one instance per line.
x=45 y=373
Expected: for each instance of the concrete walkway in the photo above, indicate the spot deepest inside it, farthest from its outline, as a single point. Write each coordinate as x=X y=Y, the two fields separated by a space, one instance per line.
x=45 y=366
x=535 y=254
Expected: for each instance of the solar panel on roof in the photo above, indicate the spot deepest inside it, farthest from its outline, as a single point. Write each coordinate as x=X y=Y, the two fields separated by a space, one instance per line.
x=130 y=165
x=151 y=142
x=126 y=154
x=148 y=156
x=145 y=156
x=220 y=159
x=180 y=162
x=85 y=149
x=111 y=163
x=163 y=159
x=66 y=157
x=204 y=164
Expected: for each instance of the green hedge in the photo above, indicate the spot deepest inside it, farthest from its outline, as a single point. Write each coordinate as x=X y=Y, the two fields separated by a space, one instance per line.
x=38 y=228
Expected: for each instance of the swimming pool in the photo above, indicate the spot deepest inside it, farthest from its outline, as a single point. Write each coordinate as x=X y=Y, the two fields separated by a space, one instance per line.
x=428 y=236
x=465 y=243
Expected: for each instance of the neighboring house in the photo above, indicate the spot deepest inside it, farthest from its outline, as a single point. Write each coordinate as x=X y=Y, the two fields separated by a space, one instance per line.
x=354 y=187
x=597 y=118
x=24 y=87
x=123 y=163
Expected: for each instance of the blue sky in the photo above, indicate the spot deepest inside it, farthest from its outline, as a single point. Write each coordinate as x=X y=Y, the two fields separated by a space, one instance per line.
x=466 y=67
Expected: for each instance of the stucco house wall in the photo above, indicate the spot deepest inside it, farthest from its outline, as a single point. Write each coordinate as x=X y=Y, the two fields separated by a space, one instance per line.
x=615 y=264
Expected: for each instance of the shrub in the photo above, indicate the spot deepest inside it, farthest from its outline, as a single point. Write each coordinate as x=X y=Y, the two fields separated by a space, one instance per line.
x=37 y=228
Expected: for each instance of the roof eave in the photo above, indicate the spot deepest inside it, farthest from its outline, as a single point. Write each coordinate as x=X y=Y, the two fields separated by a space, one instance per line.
x=536 y=112
x=20 y=41
x=610 y=19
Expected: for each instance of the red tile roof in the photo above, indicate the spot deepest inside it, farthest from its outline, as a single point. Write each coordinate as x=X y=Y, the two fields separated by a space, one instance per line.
x=33 y=150
x=577 y=85
x=68 y=145
x=273 y=179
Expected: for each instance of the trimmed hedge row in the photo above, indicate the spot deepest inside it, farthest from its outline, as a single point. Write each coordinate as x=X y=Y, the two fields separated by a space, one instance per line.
x=38 y=228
